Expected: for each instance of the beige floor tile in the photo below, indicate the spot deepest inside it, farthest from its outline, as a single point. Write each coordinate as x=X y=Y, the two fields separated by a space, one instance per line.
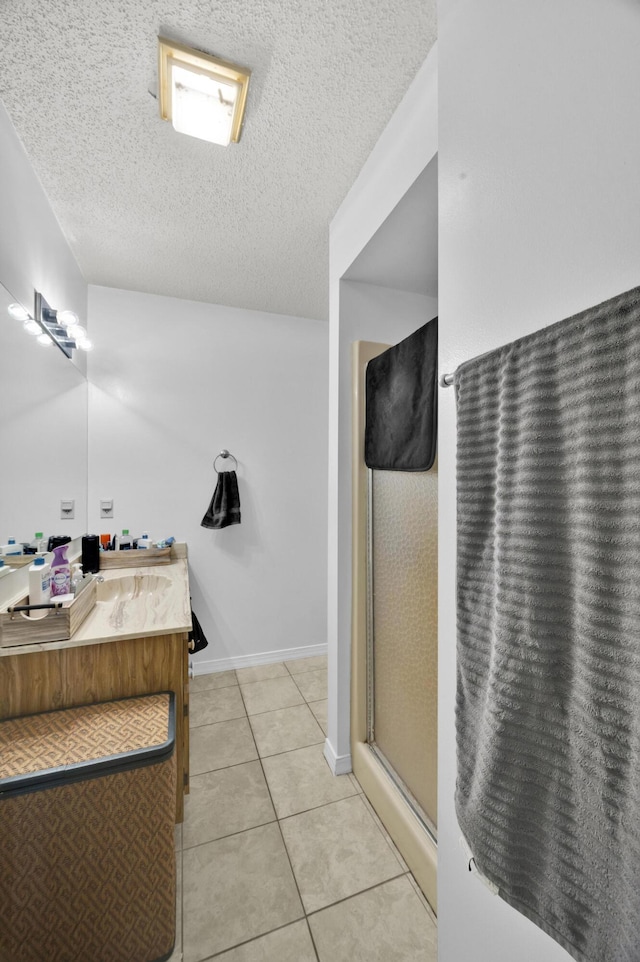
x=356 y=783
x=270 y=695
x=312 y=684
x=337 y=851
x=300 y=665
x=285 y=729
x=387 y=922
x=220 y=745
x=178 y=836
x=319 y=709
x=215 y=679
x=301 y=779
x=224 y=802
x=221 y=704
x=235 y=889
x=261 y=673
x=290 y=944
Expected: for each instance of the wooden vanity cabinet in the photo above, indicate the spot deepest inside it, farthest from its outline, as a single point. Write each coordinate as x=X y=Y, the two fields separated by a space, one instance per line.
x=81 y=675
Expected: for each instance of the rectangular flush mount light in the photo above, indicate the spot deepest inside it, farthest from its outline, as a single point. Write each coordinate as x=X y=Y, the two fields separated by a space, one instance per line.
x=201 y=95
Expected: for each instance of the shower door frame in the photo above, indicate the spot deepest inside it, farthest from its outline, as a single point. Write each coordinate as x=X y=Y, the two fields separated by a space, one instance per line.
x=416 y=844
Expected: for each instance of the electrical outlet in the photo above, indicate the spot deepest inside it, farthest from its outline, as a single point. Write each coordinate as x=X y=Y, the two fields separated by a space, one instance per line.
x=67 y=509
x=106 y=508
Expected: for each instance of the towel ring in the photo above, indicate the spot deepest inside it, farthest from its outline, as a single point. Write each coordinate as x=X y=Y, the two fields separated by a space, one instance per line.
x=224 y=454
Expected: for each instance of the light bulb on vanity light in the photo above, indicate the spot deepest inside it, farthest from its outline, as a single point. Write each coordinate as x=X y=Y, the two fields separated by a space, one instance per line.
x=44 y=339
x=67 y=319
x=18 y=312
x=77 y=332
x=32 y=327
x=84 y=344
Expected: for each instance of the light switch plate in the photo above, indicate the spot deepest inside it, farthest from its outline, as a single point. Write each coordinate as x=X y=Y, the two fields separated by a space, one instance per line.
x=106 y=507
x=67 y=509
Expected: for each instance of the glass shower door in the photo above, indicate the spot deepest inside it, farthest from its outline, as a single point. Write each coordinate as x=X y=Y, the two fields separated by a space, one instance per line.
x=402 y=632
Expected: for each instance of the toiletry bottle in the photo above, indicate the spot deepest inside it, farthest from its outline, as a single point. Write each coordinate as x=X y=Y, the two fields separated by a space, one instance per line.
x=60 y=572
x=39 y=582
x=124 y=542
x=38 y=545
x=144 y=541
x=90 y=557
x=11 y=547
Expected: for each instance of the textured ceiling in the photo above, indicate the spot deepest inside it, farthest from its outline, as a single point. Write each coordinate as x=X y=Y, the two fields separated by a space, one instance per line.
x=145 y=208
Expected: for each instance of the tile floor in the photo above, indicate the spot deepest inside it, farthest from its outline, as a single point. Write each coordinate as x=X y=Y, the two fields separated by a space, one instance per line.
x=278 y=860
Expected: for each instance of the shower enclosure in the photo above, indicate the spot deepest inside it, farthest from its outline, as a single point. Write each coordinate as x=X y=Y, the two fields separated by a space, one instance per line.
x=394 y=643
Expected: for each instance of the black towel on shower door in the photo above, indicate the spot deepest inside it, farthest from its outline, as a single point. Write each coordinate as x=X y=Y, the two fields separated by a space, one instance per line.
x=401 y=404
x=225 y=503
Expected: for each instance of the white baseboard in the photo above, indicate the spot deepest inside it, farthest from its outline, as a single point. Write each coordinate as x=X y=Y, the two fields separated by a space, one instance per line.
x=202 y=667
x=339 y=764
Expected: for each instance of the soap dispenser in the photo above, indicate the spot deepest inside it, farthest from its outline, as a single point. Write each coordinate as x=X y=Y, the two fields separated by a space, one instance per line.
x=76 y=576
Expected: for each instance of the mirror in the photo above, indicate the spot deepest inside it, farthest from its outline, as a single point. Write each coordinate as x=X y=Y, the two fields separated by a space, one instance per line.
x=43 y=435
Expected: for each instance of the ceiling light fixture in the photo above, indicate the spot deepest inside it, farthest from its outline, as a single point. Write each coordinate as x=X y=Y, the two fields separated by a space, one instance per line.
x=202 y=96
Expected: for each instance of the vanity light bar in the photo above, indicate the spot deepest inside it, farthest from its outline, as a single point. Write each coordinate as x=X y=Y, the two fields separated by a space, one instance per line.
x=61 y=327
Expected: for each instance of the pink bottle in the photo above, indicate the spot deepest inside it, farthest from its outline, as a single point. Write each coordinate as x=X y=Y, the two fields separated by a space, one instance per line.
x=60 y=572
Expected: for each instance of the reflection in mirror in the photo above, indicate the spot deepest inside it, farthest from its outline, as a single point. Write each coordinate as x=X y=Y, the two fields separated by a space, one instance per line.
x=43 y=435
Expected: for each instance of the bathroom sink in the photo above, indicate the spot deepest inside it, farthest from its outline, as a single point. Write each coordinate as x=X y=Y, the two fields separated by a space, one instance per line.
x=134 y=602
x=132 y=588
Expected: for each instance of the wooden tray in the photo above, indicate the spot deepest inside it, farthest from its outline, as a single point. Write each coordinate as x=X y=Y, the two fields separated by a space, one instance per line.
x=135 y=557
x=59 y=624
x=18 y=560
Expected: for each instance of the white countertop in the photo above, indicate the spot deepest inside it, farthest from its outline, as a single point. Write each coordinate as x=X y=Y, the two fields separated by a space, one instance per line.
x=151 y=607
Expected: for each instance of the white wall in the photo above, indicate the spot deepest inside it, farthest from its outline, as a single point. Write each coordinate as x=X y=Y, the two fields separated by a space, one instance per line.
x=539 y=212
x=172 y=383
x=407 y=145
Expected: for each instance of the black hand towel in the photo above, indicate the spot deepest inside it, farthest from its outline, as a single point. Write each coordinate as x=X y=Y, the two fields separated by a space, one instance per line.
x=197 y=635
x=401 y=426
x=225 y=503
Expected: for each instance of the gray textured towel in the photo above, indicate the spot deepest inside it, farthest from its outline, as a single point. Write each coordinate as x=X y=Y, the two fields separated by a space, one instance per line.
x=548 y=699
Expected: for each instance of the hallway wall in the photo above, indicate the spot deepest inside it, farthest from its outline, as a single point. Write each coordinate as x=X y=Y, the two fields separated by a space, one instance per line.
x=539 y=152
